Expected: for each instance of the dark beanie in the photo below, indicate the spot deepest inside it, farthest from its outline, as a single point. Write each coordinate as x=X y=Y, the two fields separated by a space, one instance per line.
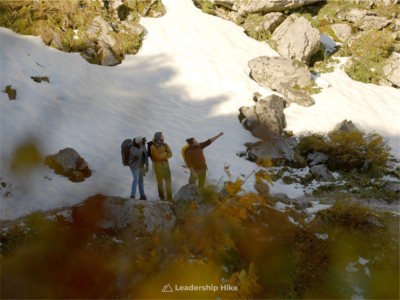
x=157 y=136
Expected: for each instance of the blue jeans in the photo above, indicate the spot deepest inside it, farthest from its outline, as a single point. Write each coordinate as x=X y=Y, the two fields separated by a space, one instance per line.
x=138 y=175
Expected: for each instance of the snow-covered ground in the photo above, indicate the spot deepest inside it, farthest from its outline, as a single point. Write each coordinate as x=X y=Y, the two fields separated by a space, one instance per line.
x=188 y=80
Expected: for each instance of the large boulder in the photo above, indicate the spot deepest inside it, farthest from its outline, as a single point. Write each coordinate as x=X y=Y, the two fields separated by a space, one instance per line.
x=116 y=213
x=188 y=193
x=69 y=163
x=183 y=202
x=264 y=118
x=316 y=158
x=270 y=113
x=262 y=6
x=364 y=19
x=293 y=95
x=133 y=27
x=297 y=39
x=345 y=125
x=100 y=29
x=106 y=55
x=372 y=22
x=342 y=31
x=321 y=173
x=354 y=15
x=275 y=148
x=271 y=71
x=392 y=70
x=271 y=21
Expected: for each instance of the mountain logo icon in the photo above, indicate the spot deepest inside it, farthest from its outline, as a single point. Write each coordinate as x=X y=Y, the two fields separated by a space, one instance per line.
x=167 y=289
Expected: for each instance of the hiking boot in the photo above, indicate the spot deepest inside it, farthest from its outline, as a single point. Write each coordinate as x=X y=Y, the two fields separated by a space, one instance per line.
x=132 y=197
x=170 y=200
x=162 y=198
x=142 y=197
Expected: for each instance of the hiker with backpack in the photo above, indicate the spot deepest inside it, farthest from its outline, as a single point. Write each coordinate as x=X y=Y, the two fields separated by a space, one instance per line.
x=195 y=160
x=134 y=155
x=160 y=152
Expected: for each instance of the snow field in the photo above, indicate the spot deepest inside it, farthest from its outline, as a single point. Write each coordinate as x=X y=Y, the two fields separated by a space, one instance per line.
x=188 y=80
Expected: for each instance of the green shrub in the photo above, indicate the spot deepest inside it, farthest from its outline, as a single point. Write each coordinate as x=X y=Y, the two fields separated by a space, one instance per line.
x=370 y=51
x=347 y=147
x=50 y=19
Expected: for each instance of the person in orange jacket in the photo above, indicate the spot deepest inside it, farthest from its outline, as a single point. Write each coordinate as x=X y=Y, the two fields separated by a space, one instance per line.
x=196 y=161
x=160 y=152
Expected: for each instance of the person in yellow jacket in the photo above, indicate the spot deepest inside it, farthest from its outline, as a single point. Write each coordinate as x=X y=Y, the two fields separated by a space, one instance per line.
x=160 y=152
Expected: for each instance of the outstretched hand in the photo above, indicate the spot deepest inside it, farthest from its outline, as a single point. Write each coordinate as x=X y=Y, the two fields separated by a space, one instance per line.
x=221 y=134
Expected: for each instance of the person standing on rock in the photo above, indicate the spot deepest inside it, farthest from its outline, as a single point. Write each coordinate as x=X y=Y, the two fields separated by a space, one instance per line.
x=160 y=152
x=196 y=161
x=139 y=165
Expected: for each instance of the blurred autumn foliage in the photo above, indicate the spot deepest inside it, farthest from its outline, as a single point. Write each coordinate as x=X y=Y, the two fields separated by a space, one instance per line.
x=242 y=241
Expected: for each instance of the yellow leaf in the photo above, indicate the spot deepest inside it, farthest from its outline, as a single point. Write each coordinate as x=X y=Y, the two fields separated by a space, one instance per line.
x=193 y=207
x=243 y=214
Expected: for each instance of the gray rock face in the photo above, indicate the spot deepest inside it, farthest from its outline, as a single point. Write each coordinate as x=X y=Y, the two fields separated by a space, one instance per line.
x=295 y=96
x=267 y=115
x=106 y=54
x=317 y=158
x=321 y=173
x=99 y=29
x=392 y=70
x=292 y=141
x=183 y=200
x=284 y=27
x=297 y=39
x=189 y=193
x=67 y=162
x=276 y=148
x=133 y=27
x=372 y=22
x=226 y=3
x=271 y=71
x=256 y=6
x=117 y=213
x=393 y=186
x=353 y=15
x=365 y=19
x=271 y=21
x=342 y=31
x=251 y=118
x=345 y=125
x=270 y=113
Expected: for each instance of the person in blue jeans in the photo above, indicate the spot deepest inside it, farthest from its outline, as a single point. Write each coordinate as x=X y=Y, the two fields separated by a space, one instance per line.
x=139 y=165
